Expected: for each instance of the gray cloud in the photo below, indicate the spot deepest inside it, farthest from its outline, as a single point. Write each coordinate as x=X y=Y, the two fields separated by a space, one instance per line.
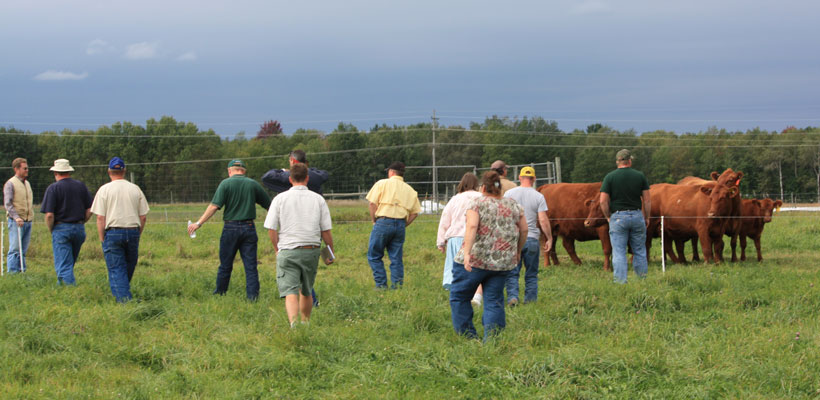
x=142 y=51
x=54 y=75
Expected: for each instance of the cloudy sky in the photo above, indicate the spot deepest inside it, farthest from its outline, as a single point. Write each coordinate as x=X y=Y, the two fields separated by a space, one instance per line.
x=230 y=65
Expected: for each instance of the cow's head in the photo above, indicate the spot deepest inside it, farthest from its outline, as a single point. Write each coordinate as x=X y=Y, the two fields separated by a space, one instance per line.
x=720 y=199
x=767 y=207
x=728 y=177
x=595 y=217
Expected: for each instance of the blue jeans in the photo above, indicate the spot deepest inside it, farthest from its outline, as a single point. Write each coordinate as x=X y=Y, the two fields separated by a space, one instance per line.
x=238 y=235
x=387 y=233
x=66 y=240
x=121 y=250
x=464 y=286
x=628 y=227
x=529 y=258
x=13 y=259
x=453 y=246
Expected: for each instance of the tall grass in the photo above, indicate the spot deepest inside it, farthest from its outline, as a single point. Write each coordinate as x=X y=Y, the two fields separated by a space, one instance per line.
x=698 y=331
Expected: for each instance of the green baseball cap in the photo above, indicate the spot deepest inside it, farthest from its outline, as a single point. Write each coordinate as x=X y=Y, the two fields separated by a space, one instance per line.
x=236 y=163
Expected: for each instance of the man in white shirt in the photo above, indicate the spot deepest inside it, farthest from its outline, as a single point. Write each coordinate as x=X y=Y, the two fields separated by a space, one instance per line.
x=297 y=222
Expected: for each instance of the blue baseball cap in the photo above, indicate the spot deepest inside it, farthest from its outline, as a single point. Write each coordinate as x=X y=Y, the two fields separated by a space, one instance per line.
x=116 y=164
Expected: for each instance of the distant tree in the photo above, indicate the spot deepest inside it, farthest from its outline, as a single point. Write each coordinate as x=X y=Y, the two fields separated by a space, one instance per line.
x=268 y=129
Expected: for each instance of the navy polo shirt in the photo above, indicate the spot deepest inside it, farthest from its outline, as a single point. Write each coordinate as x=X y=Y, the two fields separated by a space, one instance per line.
x=67 y=199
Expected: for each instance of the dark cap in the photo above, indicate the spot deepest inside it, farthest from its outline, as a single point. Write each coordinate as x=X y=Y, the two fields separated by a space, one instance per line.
x=396 y=166
x=116 y=164
x=623 y=155
x=236 y=163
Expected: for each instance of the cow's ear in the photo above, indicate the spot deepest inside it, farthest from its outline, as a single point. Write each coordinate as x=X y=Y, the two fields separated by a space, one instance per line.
x=777 y=203
x=739 y=176
x=714 y=175
x=707 y=190
x=588 y=203
x=733 y=192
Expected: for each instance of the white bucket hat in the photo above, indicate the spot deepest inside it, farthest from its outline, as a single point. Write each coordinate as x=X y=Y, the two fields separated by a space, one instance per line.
x=61 y=165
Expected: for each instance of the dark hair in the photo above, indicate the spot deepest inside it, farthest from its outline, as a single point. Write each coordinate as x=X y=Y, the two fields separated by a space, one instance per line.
x=299 y=156
x=17 y=161
x=468 y=182
x=491 y=182
x=499 y=170
x=298 y=173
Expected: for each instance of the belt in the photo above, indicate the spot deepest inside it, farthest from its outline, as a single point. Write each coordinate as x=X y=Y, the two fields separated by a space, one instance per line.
x=239 y=221
x=65 y=222
x=308 y=247
x=118 y=227
x=627 y=210
x=398 y=219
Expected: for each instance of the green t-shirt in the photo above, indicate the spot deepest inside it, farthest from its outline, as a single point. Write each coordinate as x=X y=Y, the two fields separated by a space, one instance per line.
x=239 y=195
x=624 y=186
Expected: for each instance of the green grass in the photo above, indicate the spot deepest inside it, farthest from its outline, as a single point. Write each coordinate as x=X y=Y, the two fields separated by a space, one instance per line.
x=698 y=331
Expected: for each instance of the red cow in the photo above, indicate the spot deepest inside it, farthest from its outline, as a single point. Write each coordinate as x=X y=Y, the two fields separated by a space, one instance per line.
x=567 y=205
x=756 y=213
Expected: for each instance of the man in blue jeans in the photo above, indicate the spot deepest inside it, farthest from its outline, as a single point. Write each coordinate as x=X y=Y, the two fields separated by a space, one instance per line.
x=535 y=211
x=625 y=193
x=18 y=201
x=239 y=195
x=67 y=207
x=393 y=207
x=121 y=211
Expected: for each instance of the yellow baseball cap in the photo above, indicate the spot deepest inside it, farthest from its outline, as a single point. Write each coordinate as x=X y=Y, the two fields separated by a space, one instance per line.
x=527 y=171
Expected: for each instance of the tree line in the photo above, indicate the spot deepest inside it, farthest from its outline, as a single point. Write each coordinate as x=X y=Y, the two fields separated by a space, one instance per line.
x=175 y=161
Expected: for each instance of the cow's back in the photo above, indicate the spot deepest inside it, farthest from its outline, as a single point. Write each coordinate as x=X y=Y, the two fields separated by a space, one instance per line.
x=566 y=208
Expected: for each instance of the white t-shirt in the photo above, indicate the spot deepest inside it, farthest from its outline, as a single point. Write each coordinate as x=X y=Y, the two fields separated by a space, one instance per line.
x=121 y=203
x=299 y=216
x=532 y=202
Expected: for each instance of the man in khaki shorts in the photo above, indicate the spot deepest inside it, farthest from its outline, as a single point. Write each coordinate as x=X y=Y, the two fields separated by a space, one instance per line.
x=297 y=222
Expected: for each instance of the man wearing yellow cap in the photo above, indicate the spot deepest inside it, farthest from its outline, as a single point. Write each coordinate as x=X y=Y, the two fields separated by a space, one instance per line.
x=535 y=210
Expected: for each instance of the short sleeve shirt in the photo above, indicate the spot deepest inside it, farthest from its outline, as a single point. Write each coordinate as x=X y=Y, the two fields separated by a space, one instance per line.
x=299 y=216
x=121 y=203
x=496 y=240
x=395 y=198
x=239 y=195
x=67 y=199
x=625 y=187
x=533 y=203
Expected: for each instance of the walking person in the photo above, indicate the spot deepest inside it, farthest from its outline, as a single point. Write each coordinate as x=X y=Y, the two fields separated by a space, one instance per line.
x=18 y=200
x=625 y=193
x=239 y=195
x=121 y=211
x=453 y=222
x=278 y=180
x=67 y=207
x=494 y=236
x=535 y=210
x=297 y=222
x=501 y=168
x=393 y=207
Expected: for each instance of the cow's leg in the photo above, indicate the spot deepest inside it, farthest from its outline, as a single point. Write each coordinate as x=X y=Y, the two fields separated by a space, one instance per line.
x=695 y=256
x=706 y=246
x=742 y=247
x=606 y=246
x=733 y=244
x=569 y=246
x=679 y=244
x=717 y=243
x=759 y=250
x=667 y=250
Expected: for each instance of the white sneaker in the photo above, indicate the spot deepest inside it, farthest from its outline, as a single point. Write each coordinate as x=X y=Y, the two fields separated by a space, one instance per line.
x=476 y=301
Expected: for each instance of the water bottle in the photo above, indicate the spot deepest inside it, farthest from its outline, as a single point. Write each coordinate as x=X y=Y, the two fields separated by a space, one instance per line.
x=193 y=235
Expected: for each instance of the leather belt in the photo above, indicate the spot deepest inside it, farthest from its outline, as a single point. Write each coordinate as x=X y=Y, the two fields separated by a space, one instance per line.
x=308 y=247
x=397 y=219
x=118 y=227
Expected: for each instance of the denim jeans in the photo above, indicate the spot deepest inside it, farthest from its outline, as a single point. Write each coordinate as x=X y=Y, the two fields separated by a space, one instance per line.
x=453 y=246
x=628 y=227
x=66 y=240
x=464 y=286
x=238 y=235
x=387 y=233
x=13 y=259
x=121 y=250
x=529 y=258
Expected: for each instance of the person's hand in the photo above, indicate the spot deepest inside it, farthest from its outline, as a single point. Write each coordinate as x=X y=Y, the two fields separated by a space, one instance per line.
x=647 y=223
x=193 y=227
x=547 y=245
x=607 y=220
x=442 y=249
x=19 y=222
x=467 y=261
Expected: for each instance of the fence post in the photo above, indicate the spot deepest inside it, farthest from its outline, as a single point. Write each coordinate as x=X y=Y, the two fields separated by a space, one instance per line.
x=663 y=249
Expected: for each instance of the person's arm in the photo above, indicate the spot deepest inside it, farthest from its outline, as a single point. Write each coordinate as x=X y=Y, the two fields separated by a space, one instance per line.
x=523 y=229
x=101 y=227
x=262 y=197
x=327 y=237
x=209 y=212
x=410 y=219
x=8 y=197
x=87 y=215
x=277 y=180
x=50 y=221
x=544 y=224
x=646 y=206
x=470 y=230
x=604 y=200
x=274 y=239
x=372 y=207
x=143 y=220
x=444 y=224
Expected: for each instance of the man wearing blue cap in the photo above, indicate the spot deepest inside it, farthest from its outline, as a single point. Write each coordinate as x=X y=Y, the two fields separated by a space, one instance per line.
x=239 y=195
x=121 y=211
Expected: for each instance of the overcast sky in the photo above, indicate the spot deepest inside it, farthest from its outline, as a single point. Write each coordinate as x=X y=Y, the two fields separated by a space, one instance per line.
x=230 y=65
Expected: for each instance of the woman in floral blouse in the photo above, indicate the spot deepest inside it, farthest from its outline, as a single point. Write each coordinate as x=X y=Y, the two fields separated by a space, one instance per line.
x=495 y=234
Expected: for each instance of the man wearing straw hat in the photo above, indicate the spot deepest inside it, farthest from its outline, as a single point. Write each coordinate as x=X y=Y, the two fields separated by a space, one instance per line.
x=67 y=206
x=18 y=200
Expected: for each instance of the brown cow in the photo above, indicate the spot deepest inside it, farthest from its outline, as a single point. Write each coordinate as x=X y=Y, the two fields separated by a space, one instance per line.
x=566 y=211
x=689 y=211
x=756 y=213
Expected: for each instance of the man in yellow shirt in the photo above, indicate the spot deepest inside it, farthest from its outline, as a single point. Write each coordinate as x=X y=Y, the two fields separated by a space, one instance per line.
x=393 y=207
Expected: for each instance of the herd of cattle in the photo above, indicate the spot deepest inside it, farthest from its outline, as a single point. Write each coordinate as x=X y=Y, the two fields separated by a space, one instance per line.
x=694 y=209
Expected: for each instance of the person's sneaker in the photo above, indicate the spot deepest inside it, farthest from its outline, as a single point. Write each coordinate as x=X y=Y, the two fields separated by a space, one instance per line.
x=447 y=286
x=476 y=301
x=293 y=325
x=513 y=302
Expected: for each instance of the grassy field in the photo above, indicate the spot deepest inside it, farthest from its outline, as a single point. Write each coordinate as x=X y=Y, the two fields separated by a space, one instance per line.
x=747 y=330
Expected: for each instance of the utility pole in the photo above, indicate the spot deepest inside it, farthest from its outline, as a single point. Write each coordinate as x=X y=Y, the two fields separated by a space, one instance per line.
x=435 y=172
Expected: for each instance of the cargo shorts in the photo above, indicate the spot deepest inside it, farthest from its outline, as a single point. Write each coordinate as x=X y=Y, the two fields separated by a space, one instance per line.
x=296 y=271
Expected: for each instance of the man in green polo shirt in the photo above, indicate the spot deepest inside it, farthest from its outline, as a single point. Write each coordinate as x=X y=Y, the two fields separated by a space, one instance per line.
x=239 y=195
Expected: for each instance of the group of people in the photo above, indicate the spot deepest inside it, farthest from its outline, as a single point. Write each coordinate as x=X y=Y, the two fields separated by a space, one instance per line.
x=489 y=231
